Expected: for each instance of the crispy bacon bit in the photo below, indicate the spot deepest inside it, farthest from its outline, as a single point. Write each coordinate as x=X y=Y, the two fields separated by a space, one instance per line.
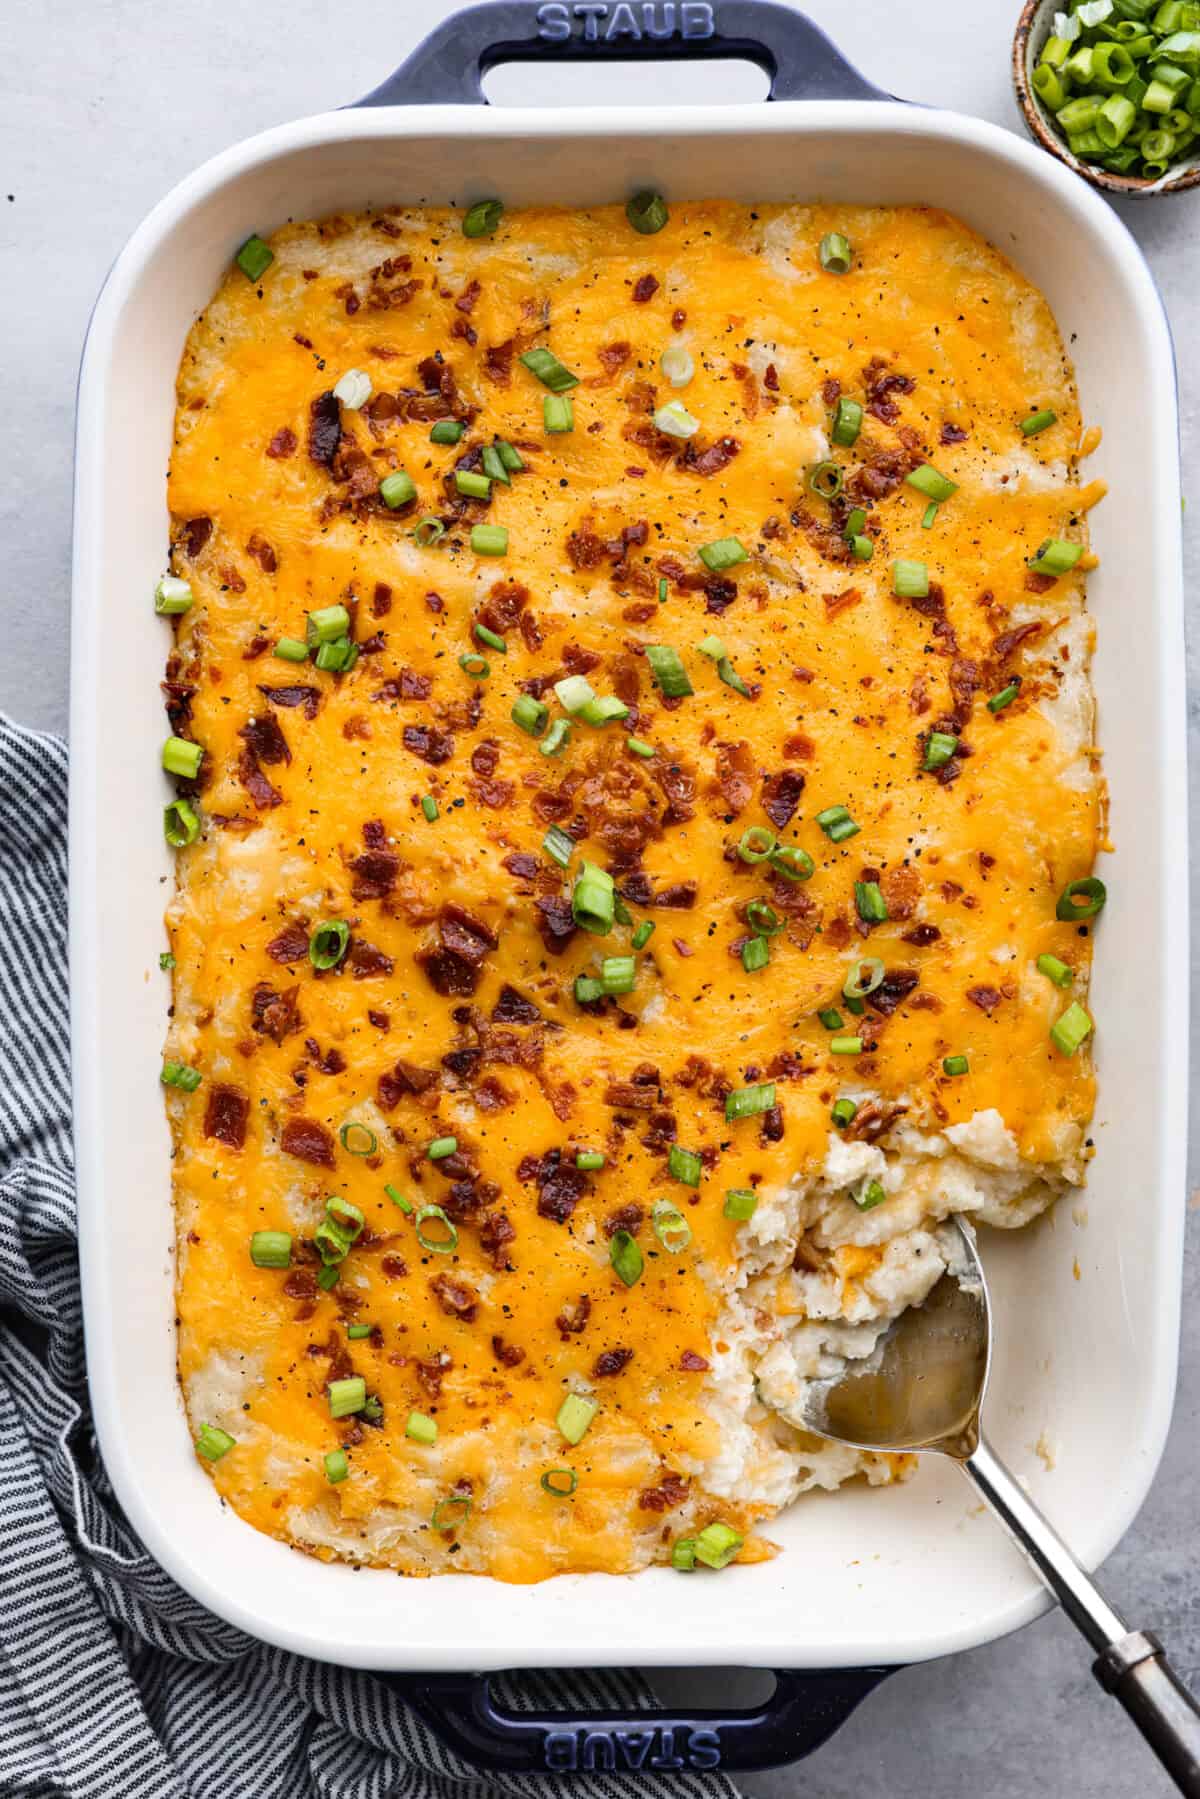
x=456 y=1298
x=430 y=744
x=952 y=434
x=365 y=961
x=256 y=783
x=507 y=1354
x=452 y=966
x=831 y=390
x=629 y=1217
x=309 y=698
x=177 y=697
x=735 y=774
x=574 y=1316
x=283 y=444
x=693 y=1363
x=274 y=1015
x=265 y=741
x=873 y=1118
x=513 y=1008
x=644 y=288
x=631 y=1096
x=841 y=602
x=196 y=533
x=670 y=1492
x=771 y=378
x=901 y=889
x=894 y=988
x=394 y=1267
x=781 y=795
x=374 y=874
x=381 y=600
x=308 y=1141
x=262 y=552
x=504 y=606
x=291 y=945
x=772 y=1125
x=881 y=383
x=301 y=1283
x=560 y=1186
x=466 y=300
x=555 y=922
x=324 y=429
x=612 y=357
x=922 y=935
x=1008 y=641
x=495 y=1234
x=521 y=865
x=432 y=1373
x=1036 y=582
x=497 y=363
x=611 y=1361
x=986 y=998
x=225 y=1115
x=404 y=1078
x=712 y=460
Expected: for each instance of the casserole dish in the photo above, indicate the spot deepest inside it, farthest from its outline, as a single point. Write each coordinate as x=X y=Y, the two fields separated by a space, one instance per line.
x=1087 y=1308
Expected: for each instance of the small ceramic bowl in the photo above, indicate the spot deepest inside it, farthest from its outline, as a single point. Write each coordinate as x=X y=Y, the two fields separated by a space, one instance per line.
x=1032 y=31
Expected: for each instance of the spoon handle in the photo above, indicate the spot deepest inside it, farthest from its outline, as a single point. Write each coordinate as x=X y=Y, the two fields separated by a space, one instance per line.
x=1130 y=1664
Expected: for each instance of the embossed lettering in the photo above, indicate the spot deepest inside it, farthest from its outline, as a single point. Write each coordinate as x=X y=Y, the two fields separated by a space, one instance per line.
x=704 y=1748
x=591 y=15
x=666 y=1757
x=560 y=1751
x=635 y=1746
x=623 y=23
x=658 y=21
x=599 y=1750
x=554 y=21
x=696 y=19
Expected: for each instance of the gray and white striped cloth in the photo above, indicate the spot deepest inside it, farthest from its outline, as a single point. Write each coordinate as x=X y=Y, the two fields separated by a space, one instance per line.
x=113 y=1682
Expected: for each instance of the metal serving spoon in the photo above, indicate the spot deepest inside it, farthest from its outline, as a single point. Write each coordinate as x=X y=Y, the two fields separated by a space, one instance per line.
x=923 y=1389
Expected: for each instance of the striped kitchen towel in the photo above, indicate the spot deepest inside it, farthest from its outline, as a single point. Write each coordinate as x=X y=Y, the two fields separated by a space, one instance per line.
x=113 y=1682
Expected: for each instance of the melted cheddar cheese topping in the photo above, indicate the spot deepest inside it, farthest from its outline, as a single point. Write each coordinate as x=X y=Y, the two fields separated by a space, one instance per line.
x=452 y=1013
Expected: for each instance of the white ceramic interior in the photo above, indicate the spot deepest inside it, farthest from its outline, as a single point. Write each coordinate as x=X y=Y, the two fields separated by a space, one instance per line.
x=1087 y=1360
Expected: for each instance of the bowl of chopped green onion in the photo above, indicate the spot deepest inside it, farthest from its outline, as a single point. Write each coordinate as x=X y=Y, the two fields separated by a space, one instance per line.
x=1112 y=88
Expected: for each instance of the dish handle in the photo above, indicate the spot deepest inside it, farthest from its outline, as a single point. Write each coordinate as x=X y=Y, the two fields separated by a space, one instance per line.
x=804 y=1710
x=447 y=67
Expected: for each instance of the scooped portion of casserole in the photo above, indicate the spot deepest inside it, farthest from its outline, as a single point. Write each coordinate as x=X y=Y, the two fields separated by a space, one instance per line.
x=636 y=811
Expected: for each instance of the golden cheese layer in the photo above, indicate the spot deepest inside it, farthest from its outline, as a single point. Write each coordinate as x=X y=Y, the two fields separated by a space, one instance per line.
x=452 y=1013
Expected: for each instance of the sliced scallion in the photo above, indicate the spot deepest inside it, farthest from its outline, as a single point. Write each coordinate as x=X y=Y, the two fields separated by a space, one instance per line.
x=684 y=1165
x=748 y=1102
x=544 y=364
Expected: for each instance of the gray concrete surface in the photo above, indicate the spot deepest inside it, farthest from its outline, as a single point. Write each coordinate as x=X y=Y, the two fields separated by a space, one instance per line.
x=102 y=107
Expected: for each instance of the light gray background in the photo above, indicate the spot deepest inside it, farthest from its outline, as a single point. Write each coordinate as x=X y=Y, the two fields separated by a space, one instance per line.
x=103 y=107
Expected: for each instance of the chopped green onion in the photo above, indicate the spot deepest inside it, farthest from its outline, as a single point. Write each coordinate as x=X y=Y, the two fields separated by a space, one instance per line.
x=747 y=1102
x=449 y=1513
x=910 y=579
x=290 y=649
x=646 y=212
x=929 y=516
x=643 y=934
x=589 y=1159
x=756 y=844
x=397 y=1198
x=438 y=1246
x=493 y=467
x=1049 y=86
x=478 y=667
x=939 y=750
x=178 y=1074
x=574 y=1416
x=1056 y=557
x=482 y=219
x=441 y=1147
x=763 y=919
x=358 y=1139
x=684 y=1165
x=1041 y=421
x=618 y=974
x=556 y=738
x=626 y=1257
x=863 y=978
x=837 y=824
x=831 y=1018
x=670 y=1226
x=793 y=863
x=587 y=990
x=683 y=1555
x=637 y=746
x=544 y=364
x=869 y=902
x=271 y=1249
x=756 y=953
x=1006 y=695
x=420 y=1428
x=172 y=596
x=492 y=639
x=1055 y=971
x=855 y=522
x=844 y=1112
x=825 y=480
x=1081 y=899
x=954 y=1065
x=933 y=485
x=337 y=658
x=166 y=960
x=847 y=422
x=337 y=1466
x=677 y=365
x=593 y=900
x=213 y=1443
x=347 y=1396
x=327 y=945
x=471 y=483
x=447 y=431
x=674 y=420
x=668 y=671
x=327 y=1277
x=662 y=590
x=574 y=692
x=717 y=1544
x=558 y=845
x=725 y=553
x=429 y=807
x=1071 y=1029
x=397 y=489
x=558 y=414
x=727 y=673
x=489 y=540
x=509 y=455
x=182 y=757
x=181 y=824
x=835 y=254
x=560 y=1483
x=255 y=257
x=740 y=1204
x=870 y=1195
x=603 y=710
x=358 y=1333
x=862 y=548
x=327 y=625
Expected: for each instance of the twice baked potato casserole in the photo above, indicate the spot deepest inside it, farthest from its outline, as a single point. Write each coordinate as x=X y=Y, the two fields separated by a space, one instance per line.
x=635 y=812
